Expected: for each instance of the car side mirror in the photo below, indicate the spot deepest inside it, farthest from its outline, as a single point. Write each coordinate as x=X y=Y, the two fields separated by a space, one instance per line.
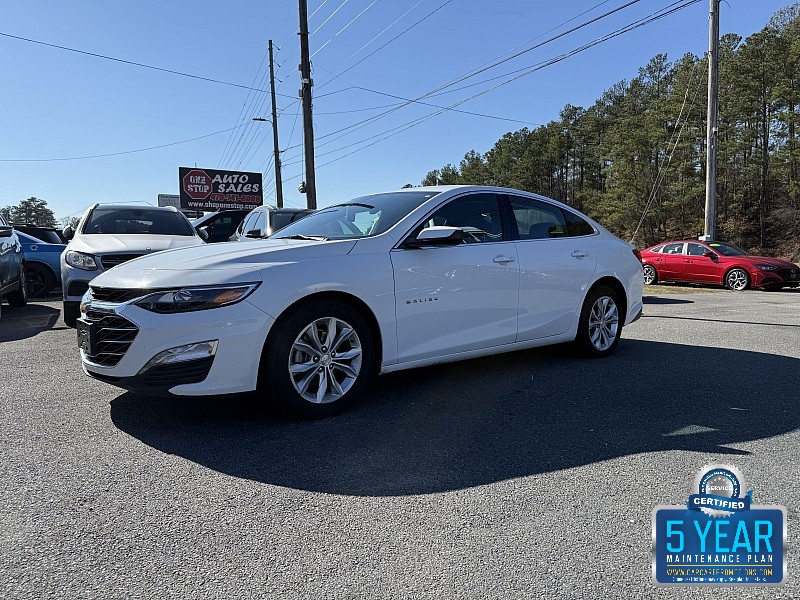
x=6 y=231
x=68 y=233
x=709 y=254
x=254 y=233
x=439 y=235
x=203 y=233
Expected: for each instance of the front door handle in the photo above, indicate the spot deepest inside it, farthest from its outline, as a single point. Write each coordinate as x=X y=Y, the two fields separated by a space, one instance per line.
x=503 y=259
x=579 y=254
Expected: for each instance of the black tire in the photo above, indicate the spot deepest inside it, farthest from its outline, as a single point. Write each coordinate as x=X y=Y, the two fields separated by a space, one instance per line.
x=71 y=313
x=19 y=297
x=650 y=274
x=600 y=325
x=41 y=280
x=737 y=279
x=299 y=366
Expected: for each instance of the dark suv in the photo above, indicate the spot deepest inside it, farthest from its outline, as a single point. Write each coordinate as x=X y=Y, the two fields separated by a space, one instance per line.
x=51 y=235
x=13 y=286
x=265 y=220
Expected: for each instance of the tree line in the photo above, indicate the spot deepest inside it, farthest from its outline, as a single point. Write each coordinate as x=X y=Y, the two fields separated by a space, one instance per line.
x=635 y=159
x=32 y=210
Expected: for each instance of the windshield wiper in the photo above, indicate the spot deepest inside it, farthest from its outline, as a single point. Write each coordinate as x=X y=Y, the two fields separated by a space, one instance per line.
x=298 y=236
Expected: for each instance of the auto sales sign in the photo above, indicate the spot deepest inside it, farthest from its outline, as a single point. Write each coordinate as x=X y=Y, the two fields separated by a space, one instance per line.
x=209 y=189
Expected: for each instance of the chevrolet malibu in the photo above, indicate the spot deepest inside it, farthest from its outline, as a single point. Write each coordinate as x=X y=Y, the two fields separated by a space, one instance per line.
x=381 y=283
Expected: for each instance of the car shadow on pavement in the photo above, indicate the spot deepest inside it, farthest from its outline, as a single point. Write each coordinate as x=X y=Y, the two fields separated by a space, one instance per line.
x=27 y=321
x=477 y=422
x=662 y=300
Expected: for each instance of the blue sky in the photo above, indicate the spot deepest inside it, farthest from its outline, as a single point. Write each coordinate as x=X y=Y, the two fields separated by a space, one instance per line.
x=59 y=104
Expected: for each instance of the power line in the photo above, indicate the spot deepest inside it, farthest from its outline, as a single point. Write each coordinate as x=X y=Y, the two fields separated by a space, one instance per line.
x=128 y=62
x=121 y=153
x=389 y=42
x=661 y=13
x=244 y=105
x=364 y=122
x=335 y=35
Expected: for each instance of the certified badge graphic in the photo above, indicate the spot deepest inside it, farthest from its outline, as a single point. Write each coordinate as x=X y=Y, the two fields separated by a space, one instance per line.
x=718 y=490
x=719 y=537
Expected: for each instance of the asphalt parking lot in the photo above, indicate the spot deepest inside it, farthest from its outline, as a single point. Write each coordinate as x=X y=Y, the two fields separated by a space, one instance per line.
x=524 y=475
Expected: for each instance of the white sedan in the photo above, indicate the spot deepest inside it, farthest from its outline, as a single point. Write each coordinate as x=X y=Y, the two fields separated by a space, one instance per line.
x=382 y=283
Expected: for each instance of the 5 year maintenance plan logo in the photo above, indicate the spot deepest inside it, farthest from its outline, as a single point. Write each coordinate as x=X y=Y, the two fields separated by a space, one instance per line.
x=719 y=538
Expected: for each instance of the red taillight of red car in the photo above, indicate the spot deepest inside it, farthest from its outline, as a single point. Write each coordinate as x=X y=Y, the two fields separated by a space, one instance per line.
x=637 y=254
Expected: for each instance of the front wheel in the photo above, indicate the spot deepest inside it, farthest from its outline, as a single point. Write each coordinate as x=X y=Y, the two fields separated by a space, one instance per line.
x=41 y=280
x=318 y=359
x=737 y=280
x=600 y=324
x=650 y=274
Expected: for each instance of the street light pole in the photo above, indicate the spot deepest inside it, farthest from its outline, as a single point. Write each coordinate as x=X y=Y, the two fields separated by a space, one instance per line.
x=278 y=182
x=278 y=186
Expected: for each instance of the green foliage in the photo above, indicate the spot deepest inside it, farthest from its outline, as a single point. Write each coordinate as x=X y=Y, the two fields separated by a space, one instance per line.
x=635 y=160
x=33 y=210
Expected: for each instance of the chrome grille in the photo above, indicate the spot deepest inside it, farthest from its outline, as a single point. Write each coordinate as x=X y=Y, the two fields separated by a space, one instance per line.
x=114 y=336
x=112 y=260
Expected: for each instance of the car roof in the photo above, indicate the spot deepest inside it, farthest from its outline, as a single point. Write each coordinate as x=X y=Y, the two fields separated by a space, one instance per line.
x=136 y=207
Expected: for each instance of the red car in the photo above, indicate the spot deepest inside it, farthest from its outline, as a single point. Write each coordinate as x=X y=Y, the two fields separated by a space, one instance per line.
x=716 y=263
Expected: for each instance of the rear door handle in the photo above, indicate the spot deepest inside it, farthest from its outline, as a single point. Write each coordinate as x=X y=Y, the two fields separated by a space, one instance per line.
x=503 y=259
x=579 y=254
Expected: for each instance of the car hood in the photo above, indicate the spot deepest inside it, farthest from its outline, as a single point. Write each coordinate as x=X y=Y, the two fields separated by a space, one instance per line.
x=228 y=262
x=108 y=243
x=766 y=260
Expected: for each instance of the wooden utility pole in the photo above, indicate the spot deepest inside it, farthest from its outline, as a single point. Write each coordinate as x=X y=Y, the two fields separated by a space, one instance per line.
x=278 y=182
x=305 y=95
x=710 y=232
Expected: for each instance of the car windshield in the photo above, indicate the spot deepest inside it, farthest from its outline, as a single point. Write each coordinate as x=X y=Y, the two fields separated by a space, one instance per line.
x=121 y=221
x=728 y=249
x=361 y=217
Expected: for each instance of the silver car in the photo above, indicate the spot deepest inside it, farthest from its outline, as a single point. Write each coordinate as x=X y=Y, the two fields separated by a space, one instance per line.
x=110 y=234
x=13 y=286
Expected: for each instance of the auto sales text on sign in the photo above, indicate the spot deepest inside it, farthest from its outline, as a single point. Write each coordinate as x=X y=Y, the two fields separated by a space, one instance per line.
x=209 y=189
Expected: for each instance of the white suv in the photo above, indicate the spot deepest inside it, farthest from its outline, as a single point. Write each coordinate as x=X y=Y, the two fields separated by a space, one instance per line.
x=110 y=234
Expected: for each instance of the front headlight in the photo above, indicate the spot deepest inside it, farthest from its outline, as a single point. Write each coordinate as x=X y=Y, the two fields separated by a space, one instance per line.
x=764 y=267
x=79 y=260
x=86 y=301
x=196 y=298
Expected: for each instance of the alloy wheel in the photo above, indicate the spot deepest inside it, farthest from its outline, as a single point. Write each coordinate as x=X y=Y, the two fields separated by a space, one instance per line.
x=603 y=323
x=737 y=280
x=325 y=360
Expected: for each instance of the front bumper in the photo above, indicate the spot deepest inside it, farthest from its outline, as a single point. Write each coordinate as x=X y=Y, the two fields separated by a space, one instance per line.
x=159 y=380
x=776 y=278
x=239 y=329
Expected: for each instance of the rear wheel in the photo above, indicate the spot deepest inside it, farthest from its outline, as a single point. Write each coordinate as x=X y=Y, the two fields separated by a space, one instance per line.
x=650 y=274
x=600 y=324
x=318 y=359
x=19 y=297
x=41 y=280
x=737 y=279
